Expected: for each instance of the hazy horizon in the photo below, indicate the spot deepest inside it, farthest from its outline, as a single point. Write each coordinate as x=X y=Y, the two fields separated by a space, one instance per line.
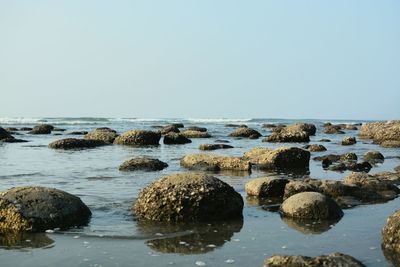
x=200 y=59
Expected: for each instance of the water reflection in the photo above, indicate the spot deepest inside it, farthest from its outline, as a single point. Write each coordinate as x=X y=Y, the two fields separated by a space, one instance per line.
x=307 y=227
x=269 y=204
x=19 y=240
x=190 y=238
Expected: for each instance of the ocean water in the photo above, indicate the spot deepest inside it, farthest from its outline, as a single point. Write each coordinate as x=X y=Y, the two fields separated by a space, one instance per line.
x=113 y=236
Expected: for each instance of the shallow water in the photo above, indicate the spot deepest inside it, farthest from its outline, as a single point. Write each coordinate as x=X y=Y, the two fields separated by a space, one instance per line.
x=115 y=238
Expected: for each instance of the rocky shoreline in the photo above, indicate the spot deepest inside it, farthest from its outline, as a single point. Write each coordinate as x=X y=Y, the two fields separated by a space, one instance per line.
x=198 y=196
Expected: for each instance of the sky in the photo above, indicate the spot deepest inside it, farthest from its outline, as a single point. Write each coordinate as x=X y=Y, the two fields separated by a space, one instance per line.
x=200 y=59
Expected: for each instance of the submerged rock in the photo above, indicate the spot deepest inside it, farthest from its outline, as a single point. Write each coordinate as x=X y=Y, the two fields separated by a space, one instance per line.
x=214 y=146
x=209 y=162
x=36 y=209
x=315 y=148
x=175 y=139
x=186 y=197
x=245 y=132
x=144 y=164
x=42 y=129
x=75 y=143
x=333 y=260
x=78 y=133
x=195 y=134
x=106 y=135
x=21 y=240
x=266 y=187
x=283 y=158
x=26 y=129
x=351 y=166
x=347 y=141
x=138 y=138
x=311 y=205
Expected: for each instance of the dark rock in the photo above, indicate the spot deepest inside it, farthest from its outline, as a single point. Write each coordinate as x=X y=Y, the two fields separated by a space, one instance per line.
x=42 y=129
x=245 y=132
x=333 y=260
x=5 y=134
x=177 y=125
x=214 y=146
x=221 y=141
x=106 y=135
x=37 y=209
x=326 y=163
x=74 y=143
x=311 y=205
x=325 y=140
x=58 y=130
x=143 y=164
x=347 y=141
x=315 y=148
x=26 y=129
x=268 y=125
x=186 y=197
x=78 y=133
x=138 y=138
x=175 y=139
x=13 y=140
x=266 y=187
x=235 y=125
x=209 y=162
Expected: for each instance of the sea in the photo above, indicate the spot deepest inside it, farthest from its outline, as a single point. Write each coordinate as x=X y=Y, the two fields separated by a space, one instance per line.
x=115 y=238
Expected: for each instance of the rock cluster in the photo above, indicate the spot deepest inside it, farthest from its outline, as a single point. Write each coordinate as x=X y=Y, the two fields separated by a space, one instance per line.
x=386 y=134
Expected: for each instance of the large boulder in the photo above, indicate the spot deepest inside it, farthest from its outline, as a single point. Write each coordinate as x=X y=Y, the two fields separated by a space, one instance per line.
x=188 y=197
x=386 y=134
x=214 y=146
x=75 y=143
x=195 y=134
x=37 y=209
x=333 y=260
x=175 y=139
x=283 y=158
x=312 y=206
x=42 y=129
x=245 y=132
x=210 y=162
x=391 y=238
x=106 y=135
x=348 y=141
x=309 y=128
x=138 y=138
x=266 y=187
x=143 y=164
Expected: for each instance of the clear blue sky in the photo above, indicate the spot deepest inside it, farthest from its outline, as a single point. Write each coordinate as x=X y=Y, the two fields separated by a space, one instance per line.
x=203 y=58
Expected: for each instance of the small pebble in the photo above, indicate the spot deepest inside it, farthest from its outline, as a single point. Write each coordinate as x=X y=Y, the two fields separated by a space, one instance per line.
x=229 y=261
x=200 y=263
x=49 y=231
x=211 y=246
x=284 y=247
